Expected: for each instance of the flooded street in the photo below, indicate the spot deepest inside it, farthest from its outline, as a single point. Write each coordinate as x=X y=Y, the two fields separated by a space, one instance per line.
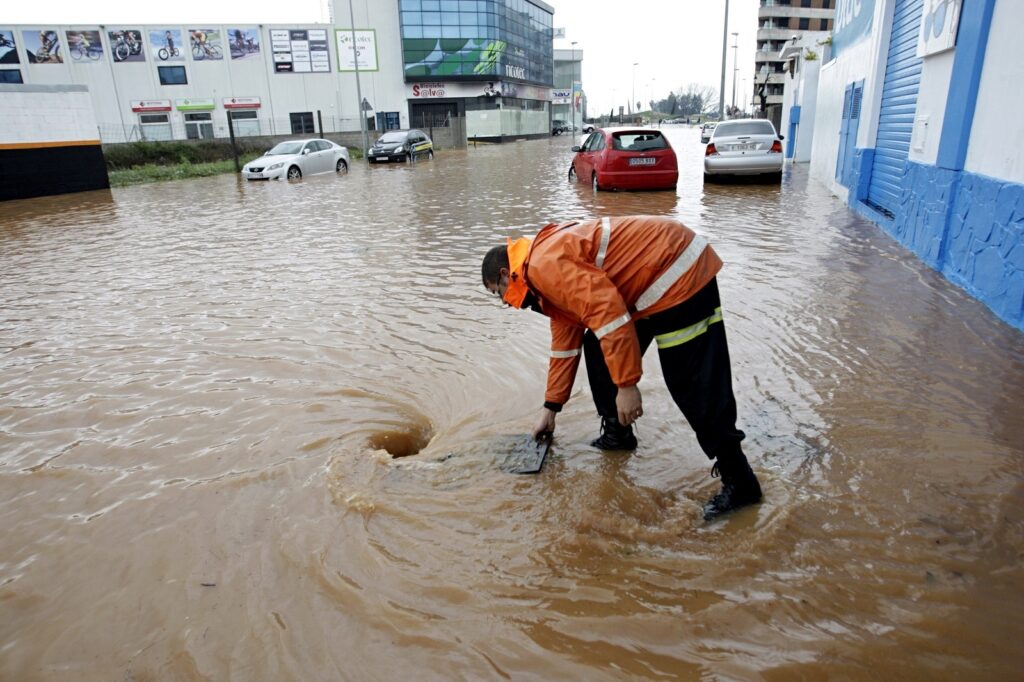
x=202 y=384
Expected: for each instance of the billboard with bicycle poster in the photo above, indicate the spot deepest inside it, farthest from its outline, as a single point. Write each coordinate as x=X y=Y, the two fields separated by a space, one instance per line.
x=205 y=44
x=8 y=50
x=84 y=46
x=42 y=46
x=126 y=45
x=244 y=42
x=165 y=45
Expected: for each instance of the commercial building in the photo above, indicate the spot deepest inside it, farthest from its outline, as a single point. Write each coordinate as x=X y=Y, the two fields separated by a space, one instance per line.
x=569 y=96
x=917 y=128
x=482 y=65
x=779 y=21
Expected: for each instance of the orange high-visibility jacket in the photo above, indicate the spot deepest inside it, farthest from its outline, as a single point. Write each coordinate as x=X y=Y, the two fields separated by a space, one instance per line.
x=601 y=275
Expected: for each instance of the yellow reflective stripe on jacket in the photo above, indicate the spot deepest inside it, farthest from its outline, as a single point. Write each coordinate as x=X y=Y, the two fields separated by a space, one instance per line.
x=681 y=336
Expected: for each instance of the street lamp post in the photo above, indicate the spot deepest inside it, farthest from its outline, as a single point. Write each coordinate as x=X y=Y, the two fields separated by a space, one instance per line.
x=359 y=91
x=632 y=101
x=725 y=45
x=735 y=66
x=572 y=96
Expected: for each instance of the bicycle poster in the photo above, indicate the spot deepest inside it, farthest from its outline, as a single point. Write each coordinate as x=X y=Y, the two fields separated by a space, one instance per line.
x=165 y=45
x=205 y=44
x=126 y=45
x=8 y=50
x=42 y=46
x=244 y=42
x=84 y=46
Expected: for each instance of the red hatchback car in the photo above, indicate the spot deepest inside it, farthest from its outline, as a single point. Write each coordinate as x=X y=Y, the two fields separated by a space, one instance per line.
x=625 y=158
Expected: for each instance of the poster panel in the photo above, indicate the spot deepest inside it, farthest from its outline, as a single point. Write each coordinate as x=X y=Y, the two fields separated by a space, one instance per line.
x=84 y=46
x=8 y=50
x=42 y=47
x=206 y=44
x=244 y=43
x=300 y=50
x=165 y=45
x=939 y=24
x=430 y=57
x=366 y=49
x=126 y=45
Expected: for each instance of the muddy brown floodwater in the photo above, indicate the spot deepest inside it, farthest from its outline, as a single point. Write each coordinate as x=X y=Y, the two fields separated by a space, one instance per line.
x=202 y=384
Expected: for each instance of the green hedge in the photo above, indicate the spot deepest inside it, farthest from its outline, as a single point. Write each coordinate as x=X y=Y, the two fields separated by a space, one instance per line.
x=135 y=154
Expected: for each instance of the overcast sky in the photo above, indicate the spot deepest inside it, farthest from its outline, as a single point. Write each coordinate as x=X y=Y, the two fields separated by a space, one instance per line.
x=674 y=42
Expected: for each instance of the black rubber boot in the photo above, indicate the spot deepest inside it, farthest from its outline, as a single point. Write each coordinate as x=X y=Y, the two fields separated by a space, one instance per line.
x=614 y=436
x=739 y=486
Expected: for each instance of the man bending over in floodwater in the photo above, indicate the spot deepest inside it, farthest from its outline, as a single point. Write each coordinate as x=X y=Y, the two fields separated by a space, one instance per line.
x=611 y=286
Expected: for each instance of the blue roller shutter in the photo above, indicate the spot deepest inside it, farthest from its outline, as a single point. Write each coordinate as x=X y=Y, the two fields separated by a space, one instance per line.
x=899 y=103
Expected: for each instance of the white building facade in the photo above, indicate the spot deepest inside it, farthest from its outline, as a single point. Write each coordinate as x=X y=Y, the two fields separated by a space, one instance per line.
x=917 y=127
x=420 y=63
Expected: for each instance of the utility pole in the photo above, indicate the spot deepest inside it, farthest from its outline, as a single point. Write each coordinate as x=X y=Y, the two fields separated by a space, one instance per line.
x=632 y=101
x=359 y=91
x=735 y=67
x=725 y=47
x=572 y=97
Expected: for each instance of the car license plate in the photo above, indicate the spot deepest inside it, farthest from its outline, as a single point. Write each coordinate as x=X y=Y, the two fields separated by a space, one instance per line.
x=646 y=161
x=745 y=147
x=256 y=175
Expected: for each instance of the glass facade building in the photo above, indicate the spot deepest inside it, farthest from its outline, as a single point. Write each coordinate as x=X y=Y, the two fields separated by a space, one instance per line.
x=477 y=40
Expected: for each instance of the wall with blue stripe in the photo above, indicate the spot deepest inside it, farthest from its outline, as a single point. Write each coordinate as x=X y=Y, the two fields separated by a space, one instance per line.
x=966 y=224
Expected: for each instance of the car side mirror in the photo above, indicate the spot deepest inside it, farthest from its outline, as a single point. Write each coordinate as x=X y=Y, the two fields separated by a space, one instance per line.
x=782 y=137
x=577 y=148
x=305 y=151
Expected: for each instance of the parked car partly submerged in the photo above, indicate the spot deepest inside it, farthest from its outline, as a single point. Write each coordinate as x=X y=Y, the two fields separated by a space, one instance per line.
x=399 y=145
x=626 y=158
x=744 y=147
x=705 y=132
x=295 y=158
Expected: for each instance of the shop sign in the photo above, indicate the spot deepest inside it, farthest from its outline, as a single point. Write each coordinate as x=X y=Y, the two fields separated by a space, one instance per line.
x=561 y=96
x=300 y=50
x=424 y=90
x=365 y=52
x=241 y=102
x=852 y=23
x=194 y=104
x=151 y=104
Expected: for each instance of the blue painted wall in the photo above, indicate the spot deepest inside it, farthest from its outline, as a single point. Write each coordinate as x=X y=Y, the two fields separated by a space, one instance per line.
x=967 y=226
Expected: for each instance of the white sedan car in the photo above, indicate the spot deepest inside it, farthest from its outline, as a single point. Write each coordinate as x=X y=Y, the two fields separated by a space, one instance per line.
x=295 y=158
x=744 y=147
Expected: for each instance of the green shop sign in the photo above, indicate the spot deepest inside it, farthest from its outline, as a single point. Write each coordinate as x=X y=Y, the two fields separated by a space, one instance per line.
x=194 y=104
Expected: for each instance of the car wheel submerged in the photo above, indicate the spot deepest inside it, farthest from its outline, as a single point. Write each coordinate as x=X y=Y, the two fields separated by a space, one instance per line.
x=341 y=166
x=294 y=173
x=572 y=172
x=593 y=181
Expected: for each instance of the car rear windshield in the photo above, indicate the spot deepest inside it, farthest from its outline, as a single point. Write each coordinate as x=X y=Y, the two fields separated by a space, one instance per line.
x=638 y=141
x=745 y=128
x=392 y=137
x=286 y=148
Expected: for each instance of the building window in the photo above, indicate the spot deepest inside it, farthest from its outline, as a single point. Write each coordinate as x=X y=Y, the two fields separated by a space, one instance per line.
x=302 y=123
x=172 y=75
x=199 y=126
x=805 y=24
x=155 y=126
x=824 y=24
x=805 y=3
x=246 y=122
x=10 y=76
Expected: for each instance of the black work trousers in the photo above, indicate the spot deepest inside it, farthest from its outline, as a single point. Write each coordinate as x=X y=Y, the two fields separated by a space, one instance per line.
x=694 y=358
